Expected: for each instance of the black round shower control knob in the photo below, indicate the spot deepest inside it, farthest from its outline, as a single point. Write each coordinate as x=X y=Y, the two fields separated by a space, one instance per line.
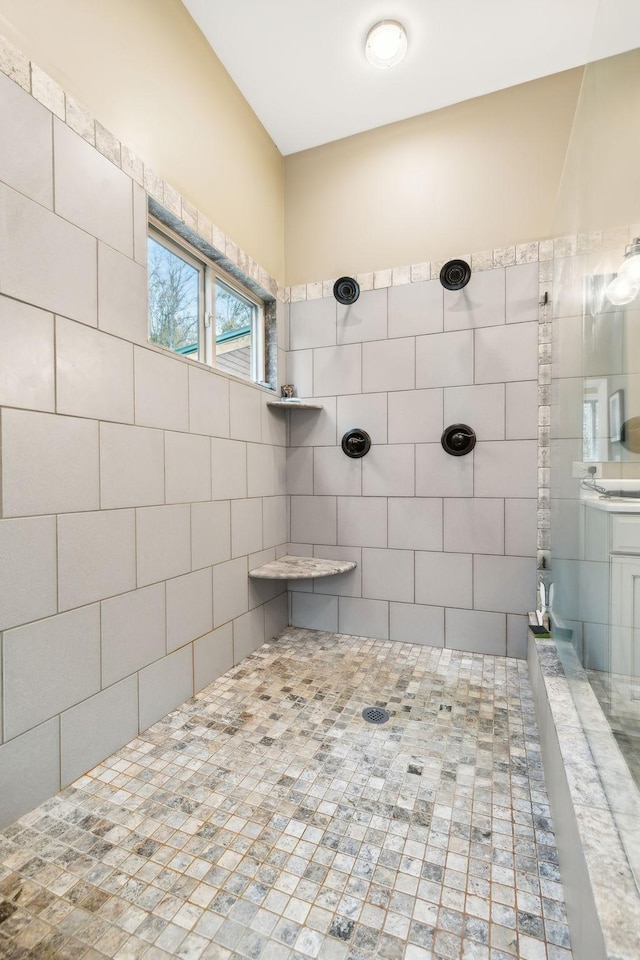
x=458 y=439
x=356 y=443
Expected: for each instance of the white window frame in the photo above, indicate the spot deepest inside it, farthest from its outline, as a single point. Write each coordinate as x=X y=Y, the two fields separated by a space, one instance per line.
x=209 y=273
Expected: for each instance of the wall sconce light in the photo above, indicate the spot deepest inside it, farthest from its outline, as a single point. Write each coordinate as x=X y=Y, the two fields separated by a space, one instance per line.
x=386 y=44
x=626 y=285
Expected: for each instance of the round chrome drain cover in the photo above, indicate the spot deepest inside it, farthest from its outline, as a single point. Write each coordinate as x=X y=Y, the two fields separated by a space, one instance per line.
x=375 y=714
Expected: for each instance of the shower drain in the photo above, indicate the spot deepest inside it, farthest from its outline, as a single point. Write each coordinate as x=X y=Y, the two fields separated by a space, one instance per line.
x=375 y=715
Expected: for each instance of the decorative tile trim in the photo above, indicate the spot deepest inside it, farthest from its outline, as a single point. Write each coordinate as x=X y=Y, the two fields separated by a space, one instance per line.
x=16 y=66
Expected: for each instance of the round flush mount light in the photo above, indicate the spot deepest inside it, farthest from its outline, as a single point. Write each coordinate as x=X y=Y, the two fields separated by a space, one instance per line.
x=386 y=44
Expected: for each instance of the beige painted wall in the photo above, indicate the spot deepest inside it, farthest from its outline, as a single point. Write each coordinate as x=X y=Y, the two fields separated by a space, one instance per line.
x=474 y=176
x=600 y=185
x=145 y=71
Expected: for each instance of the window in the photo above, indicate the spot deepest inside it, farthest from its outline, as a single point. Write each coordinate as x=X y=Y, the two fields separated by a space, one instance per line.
x=197 y=310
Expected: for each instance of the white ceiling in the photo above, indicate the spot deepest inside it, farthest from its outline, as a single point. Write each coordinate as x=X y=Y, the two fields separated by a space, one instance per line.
x=301 y=63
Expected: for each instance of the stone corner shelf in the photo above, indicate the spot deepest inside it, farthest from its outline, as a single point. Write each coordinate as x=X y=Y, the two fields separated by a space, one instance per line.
x=301 y=568
x=294 y=405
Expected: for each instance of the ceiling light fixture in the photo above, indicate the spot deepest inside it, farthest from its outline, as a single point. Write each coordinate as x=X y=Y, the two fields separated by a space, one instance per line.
x=386 y=44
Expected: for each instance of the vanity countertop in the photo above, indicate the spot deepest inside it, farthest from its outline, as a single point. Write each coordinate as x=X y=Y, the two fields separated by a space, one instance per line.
x=613 y=504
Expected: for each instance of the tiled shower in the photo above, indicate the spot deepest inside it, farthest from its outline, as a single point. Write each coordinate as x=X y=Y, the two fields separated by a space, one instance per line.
x=138 y=490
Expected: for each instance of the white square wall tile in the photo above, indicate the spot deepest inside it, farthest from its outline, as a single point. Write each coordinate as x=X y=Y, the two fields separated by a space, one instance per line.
x=131 y=466
x=313 y=519
x=416 y=623
x=66 y=279
x=505 y=584
x=275 y=521
x=315 y=428
x=246 y=526
x=212 y=656
x=368 y=411
x=366 y=319
x=482 y=407
x=26 y=148
x=28 y=584
x=444 y=579
x=506 y=353
x=362 y=521
x=337 y=370
x=344 y=584
x=522 y=410
x=388 y=365
x=274 y=423
x=49 y=463
x=248 y=633
x=313 y=611
x=189 y=608
x=210 y=533
x=94 y=373
x=444 y=359
x=187 y=467
x=245 y=416
x=480 y=304
x=312 y=323
x=336 y=474
x=300 y=372
x=208 y=403
x=387 y=574
x=415 y=309
x=161 y=390
x=476 y=631
x=230 y=590
x=228 y=469
x=521 y=517
x=363 y=618
x=474 y=526
x=163 y=542
x=49 y=666
x=415 y=416
x=300 y=470
x=415 y=523
x=96 y=556
x=26 y=356
x=506 y=468
x=262 y=478
x=133 y=632
x=517 y=636
x=91 y=192
x=164 y=685
x=522 y=290
x=96 y=728
x=438 y=474
x=389 y=471
x=276 y=616
x=31 y=763
x=122 y=295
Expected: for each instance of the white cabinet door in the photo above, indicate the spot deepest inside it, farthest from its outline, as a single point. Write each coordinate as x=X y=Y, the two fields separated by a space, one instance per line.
x=625 y=615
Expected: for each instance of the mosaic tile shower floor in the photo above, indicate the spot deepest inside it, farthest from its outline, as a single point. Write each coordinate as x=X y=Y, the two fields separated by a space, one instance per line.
x=264 y=819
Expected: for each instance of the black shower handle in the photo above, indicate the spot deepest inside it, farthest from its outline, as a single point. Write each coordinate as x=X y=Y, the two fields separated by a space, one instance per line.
x=458 y=439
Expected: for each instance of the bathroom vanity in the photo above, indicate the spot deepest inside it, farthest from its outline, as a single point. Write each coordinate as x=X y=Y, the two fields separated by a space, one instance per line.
x=612 y=536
